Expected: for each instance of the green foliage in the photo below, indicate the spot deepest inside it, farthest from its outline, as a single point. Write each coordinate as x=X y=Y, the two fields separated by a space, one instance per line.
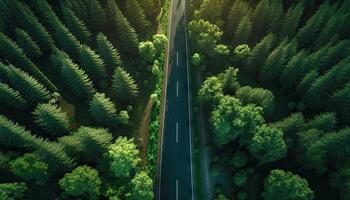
x=340 y=180
x=326 y=121
x=229 y=80
x=229 y=119
x=29 y=87
x=121 y=27
x=238 y=11
x=142 y=187
x=151 y=9
x=108 y=53
x=259 y=96
x=83 y=181
x=242 y=34
x=259 y=54
x=242 y=51
x=30 y=167
x=29 y=46
x=11 y=98
x=92 y=63
x=76 y=26
x=240 y=178
x=51 y=118
x=306 y=82
x=294 y=71
x=12 y=191
x=204 y=36
x=239 y=159
x=280 y=185
x=291 y=20
x=124 y=86
x=221 y=197
x=159 y=42
x=241 y=195
x=147 y=51
x=95 y=15
x=123 y=157
x=9 y=50
x=267 y=145
x=221 y=50
x=339 y=102
x=103 y=110
x=87 y=141
x=76 y=79
x=196 y=60
x=137 y=18
x=210 y=91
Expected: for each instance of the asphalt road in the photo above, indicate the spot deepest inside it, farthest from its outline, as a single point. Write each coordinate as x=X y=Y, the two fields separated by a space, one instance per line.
x=176 y=165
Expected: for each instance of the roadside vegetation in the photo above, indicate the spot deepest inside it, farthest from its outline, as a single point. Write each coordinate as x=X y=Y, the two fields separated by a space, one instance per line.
x=75 y=79
x=275 y=90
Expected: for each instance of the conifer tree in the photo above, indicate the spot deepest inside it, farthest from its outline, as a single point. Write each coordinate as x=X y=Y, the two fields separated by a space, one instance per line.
x=272 y=67
x=137 y=18
x=339 y=102
x=243 y=31
x=306 y=82
x=76 y=26
x=238 y=10
x=92 y=64
x=211 y=10
x=121 y=27
x=293 y=71
x=28 y=86
x=51 y=118
x=96 y=15
x=14 y=135
x=151 y=9
x=9 y=50
x=11 y=98
x=326 y=122
x=76 y=79
x=103 y=110
x=291 y=20
x=124 y=85
x=259 y=54
x=332 y=55
x=29 y=22
x=108 y=53
x=29 y=46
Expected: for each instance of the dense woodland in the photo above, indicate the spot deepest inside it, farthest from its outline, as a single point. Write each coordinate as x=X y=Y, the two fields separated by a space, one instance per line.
x=75 y=77
x=277 y=79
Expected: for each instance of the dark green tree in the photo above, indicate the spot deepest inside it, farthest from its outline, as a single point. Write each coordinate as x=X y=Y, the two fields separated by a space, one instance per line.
x=121 y=27
x=243 y=31
x=306 y=82
x=239 y=10
x=108 y=53
x=339 y=103
x=124 y=86
x=11 y=98
x=137 y=18
x=92 y=64
x=76 y=79
x=151 y=9
x=291 y=20
x=259 y=54
x=52 y=119
x=13 y=191
x=96 y=15
x=281 y=185
x=326 y=121
x=76 y=26
x=103 y=110
x=229 y=80
x=83 y=182
x=294 y=71
x=29 y=46
x=211 y=11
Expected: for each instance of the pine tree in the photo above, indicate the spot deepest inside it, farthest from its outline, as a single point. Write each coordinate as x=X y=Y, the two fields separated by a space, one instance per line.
x=103 y=110
x=259 y=54
x=124 y=85
x=334 y=79
x=51 y=118
x=121 y=27
x=76 y=26
x=12 y=135
x=332 y=56
x=151 y=9
x=291 y=20
x=211 y=10
x=76 y=79
x=96 y=15
x=54 y=154
x=30 y=48
x=11 y=98
x=28 y=86
x=326 y=122
x=339 y=103
x=238 y=10
x=134 y=13
x=29 y=22
x=243 y=31
x=293 y=71
x=9 y=50
x=306 y=82
x=108 y=53
x=272 y=67
x=92 y=64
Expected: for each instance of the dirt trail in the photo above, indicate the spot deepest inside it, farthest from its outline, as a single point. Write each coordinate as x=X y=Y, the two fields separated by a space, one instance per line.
x=144 y=131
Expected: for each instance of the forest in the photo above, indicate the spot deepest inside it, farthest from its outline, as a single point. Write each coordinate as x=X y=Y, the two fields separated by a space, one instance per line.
x=75 y=78
x=274 y=90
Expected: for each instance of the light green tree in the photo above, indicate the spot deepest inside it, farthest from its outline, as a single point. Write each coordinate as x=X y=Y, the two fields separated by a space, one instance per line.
x=142 y=187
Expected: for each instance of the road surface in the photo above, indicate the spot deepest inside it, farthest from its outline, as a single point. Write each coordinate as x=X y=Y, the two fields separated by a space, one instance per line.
x=176 y=163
